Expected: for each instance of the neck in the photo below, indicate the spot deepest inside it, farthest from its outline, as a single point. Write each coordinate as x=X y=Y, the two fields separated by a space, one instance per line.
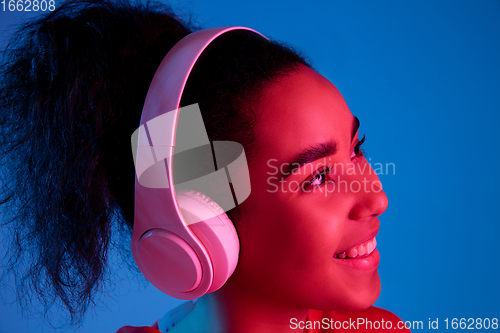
x=237 y=310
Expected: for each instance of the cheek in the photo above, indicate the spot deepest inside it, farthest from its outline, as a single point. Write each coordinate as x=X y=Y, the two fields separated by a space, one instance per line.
x=286 y=244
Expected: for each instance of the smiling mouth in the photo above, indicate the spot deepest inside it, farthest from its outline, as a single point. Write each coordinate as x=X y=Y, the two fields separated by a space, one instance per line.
x=360 y=251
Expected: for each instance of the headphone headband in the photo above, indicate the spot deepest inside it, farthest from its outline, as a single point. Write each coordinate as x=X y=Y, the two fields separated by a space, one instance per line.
x=172 y=74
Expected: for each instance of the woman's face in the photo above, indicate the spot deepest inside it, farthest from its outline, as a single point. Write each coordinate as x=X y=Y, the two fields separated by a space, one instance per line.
x=295 y=223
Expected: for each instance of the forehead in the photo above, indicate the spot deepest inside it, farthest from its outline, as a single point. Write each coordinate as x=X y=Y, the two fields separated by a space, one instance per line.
x=300 y=111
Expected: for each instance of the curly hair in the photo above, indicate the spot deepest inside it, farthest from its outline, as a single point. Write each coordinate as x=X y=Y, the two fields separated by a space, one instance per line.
x=73 y=85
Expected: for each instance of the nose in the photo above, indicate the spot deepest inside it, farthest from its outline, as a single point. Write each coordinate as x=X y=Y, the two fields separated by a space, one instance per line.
x=371 y=200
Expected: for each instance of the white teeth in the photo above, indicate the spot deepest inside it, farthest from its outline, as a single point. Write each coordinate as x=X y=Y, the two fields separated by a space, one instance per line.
x=370 y=247
x=352 y=252
x=361 y=250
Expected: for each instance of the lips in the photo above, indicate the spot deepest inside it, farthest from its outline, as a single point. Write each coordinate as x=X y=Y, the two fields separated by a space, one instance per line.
x=359 y=251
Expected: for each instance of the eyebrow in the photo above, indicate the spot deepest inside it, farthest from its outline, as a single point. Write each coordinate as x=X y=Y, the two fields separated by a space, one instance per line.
x=314 y=153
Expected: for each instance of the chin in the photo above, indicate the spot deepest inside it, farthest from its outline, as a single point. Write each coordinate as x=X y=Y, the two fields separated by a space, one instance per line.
x=357 y=297
x=364 y=297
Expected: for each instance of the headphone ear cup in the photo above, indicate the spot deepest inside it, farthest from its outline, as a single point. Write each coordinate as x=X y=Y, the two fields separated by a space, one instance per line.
x=170 y=263
x=214 y=230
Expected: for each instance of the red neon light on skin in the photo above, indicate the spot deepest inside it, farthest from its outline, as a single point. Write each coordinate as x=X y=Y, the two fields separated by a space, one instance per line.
x=289 y=239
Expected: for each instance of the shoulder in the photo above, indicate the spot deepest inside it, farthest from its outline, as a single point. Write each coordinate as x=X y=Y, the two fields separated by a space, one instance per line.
x=143 y=329
x=372 y=319
x=165 y=324
x=378 y=313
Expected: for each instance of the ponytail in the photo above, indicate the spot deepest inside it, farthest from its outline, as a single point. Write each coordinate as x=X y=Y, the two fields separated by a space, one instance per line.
x=72 y=89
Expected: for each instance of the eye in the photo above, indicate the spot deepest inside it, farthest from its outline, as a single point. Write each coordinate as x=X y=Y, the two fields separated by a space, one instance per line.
x=357 y=149
x=320 y=178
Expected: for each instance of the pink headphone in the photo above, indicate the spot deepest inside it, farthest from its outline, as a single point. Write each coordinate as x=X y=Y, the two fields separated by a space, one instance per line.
x=183 y=242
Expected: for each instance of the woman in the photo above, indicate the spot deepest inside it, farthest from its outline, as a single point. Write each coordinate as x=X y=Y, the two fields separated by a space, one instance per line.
x=75 y=84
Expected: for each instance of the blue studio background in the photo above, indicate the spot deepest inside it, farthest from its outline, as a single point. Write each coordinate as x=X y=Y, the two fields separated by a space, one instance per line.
x=424 y=78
